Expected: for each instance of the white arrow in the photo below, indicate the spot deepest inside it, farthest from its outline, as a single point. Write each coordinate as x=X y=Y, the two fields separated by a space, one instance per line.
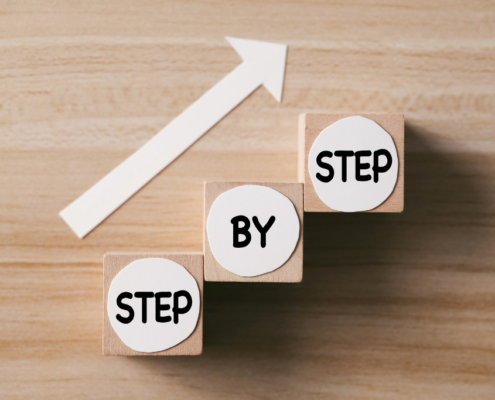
x=264 y=64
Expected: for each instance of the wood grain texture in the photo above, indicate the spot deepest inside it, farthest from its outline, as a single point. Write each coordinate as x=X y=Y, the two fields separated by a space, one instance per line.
x=310 y=126
x=291 y=271
x=392 y=306
x=113 y=263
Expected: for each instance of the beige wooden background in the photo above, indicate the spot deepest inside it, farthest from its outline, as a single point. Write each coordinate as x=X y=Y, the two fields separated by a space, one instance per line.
x=391 y=307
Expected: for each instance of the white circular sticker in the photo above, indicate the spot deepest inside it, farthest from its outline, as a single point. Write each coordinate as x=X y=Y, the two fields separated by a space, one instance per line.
x=353 y=165
x=252 y=230
x=153 y=304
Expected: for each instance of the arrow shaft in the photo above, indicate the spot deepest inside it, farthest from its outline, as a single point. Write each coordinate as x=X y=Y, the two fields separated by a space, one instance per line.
x=96 y=204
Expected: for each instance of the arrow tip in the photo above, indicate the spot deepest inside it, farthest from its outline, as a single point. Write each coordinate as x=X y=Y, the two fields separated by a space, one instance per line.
x=270 y=59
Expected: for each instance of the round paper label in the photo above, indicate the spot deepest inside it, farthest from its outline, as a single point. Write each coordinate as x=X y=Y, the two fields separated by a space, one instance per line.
x=353 y=165
x=153 y=304
x=252 y=230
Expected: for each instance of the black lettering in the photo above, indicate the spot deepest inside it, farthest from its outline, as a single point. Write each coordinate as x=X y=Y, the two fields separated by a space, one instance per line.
x=376 y=160
x=126 y=307
x=360 y=165
x=244 y=230
x=159 y=307
x=324 y=165
x=177 y=310
x=144 y=296
x=344 y=154
x=263 y=229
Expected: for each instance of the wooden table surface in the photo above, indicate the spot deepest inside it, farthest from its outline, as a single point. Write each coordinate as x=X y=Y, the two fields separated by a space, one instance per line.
x=392 y=306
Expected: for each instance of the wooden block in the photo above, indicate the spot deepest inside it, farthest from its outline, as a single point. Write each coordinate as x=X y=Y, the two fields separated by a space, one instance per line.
x=292 y=269
x=310 y=126
x=113 y=263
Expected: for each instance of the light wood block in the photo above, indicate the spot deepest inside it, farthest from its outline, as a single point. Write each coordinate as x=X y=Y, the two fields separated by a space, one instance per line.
x=310 y=126
x=113 y=263
x=291 y=271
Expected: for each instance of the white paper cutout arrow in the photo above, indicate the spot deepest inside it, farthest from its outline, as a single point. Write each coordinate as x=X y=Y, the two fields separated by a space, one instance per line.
x=264 y=64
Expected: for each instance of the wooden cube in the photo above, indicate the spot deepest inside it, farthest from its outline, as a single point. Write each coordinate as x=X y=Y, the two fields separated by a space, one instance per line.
x=310 y=126
x=113 y=263
x=290 y=271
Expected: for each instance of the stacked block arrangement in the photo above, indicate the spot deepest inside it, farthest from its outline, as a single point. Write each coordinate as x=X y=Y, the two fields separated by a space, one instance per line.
x=253 y=232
